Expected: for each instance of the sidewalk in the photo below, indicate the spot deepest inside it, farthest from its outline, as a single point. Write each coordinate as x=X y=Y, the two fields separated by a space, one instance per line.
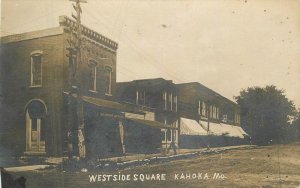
x=130 y=157
x=26 y=168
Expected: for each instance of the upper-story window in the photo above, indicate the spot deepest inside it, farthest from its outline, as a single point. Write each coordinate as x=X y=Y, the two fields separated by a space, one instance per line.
x=203 y=109
x=140 y=97
x=175 y=103
x=93 y=76
x=165 y=100
x=215 y=112
x=237 y=118
x=36 y=69
x=210 y=111
x=108 y=80
x=199 y=107
x=170 y=101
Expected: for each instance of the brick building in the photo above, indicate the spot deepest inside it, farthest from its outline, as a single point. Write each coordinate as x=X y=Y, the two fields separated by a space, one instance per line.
x=35 y=77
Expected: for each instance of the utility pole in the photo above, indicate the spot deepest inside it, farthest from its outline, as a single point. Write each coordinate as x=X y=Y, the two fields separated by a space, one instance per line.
x=75 y=106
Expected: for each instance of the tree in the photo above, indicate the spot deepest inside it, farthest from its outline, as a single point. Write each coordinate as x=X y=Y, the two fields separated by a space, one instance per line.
x=265 y=113
x=296 y=124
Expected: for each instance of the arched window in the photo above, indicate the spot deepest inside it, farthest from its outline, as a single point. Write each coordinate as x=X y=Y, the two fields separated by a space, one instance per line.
x=36 y=69
x=36 y=112
x=93 y=76
x=108 y=80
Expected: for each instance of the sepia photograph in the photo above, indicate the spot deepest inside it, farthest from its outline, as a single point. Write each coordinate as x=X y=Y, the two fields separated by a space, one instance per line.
x=149 y=93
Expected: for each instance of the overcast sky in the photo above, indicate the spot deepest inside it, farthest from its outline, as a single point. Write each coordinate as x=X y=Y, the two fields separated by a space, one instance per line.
x=226 y=45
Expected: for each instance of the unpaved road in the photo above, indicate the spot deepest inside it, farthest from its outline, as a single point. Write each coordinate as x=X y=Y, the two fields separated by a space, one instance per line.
x=268 y=166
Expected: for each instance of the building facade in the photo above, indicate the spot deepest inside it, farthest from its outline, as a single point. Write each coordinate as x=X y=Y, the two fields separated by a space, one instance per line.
x=161 y=97
x=207 y=118
x=201 y=103
x=36 y=75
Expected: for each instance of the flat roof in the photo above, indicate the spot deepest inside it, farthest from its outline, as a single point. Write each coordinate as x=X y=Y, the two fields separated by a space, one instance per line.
x=32 y=35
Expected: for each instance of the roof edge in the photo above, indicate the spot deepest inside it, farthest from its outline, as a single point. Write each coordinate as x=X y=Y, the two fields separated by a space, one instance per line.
x=32 y=35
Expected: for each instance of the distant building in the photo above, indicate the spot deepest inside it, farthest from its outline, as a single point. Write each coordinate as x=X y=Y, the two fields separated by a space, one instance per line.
x=203 y=112
x=201 y=103
x=159 y=96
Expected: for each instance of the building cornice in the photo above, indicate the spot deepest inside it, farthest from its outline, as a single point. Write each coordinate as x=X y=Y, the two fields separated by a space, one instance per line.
x=89 y=33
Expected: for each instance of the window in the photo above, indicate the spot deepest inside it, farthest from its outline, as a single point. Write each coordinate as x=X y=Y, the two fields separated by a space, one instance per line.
x=169 y=135
x=175 y=103
x=214 y=112
x=175 y=124
x=165 y=100
x=203 y=109
x=199 y=107
x=224 y=118
x=140 y=97
x=93 y=76
x=108 y=77
x=170 y=101
x=164 y=135
x=36 y=70
x=237 y=118
x=217 y=113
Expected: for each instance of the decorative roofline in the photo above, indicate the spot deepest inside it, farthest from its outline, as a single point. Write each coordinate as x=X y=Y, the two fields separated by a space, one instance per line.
x=68 y=22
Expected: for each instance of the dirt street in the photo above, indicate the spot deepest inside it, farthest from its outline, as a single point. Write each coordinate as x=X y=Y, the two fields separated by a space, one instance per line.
x=268 y=166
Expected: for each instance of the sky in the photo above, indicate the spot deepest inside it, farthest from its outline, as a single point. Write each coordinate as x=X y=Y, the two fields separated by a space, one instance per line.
x=227 y=45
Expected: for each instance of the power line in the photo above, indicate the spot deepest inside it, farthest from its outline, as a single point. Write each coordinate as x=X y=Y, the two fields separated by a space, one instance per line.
x=159 y=67
x=34 y=19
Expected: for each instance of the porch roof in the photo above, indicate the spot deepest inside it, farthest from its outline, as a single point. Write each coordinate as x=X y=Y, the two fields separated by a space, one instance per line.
x=154 y=124
x=112 y=105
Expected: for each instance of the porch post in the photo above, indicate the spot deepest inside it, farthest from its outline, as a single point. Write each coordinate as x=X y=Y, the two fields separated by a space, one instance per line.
x=121 y=130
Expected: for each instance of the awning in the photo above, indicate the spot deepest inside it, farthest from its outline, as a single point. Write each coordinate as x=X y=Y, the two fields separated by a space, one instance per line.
x=191 y=127
x=219 y=129
x=214 y=128
x=232 y=131
x=154 y=124
x=111 y=105
x=241 y=130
